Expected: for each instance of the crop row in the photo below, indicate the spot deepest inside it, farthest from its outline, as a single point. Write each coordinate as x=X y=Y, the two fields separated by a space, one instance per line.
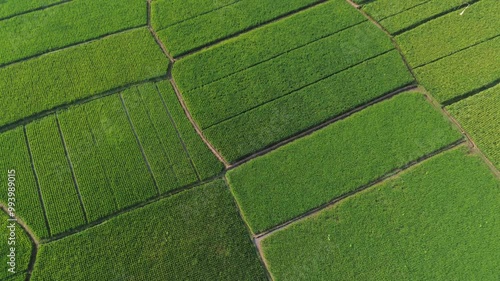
x=308 y=106
x=197 y=235
x=58 y=191
x=419 y=14
x=208 y=28
x=15 y=156
x=263 y=44
x=479 y=116
x=450 y=33
x=165 y=13
x=432 y=222
x=220 y=100
x=381 y=9
x=39 y=32
x=345 y=155
x=462 y=73
x=9 y=8
x=105 y=155
x=79 y=72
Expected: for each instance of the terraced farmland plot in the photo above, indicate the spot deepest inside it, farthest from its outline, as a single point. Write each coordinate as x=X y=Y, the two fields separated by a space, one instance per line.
x=340 y=158
x=15 y=156
x=195 y=235
x=205 y=28
x=75 y=73
x=480 y=115
x=259 y=103
x=80 y=20
x=437 y=221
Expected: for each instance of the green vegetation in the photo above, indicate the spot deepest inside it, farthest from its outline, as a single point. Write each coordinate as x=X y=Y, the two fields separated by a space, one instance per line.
x=286 y=73
x=207 y=28
x=345 y=155
x=165 y=13
x=446 y=35
x=381 y=9
x=9 y=8
x=204 y=161
x=79 y=72
x=262 y=44
x=59 y=194
x=21 y=38
x=479 y=116
x=15 y=155
x=162 y=145
x=437 y=221
x=283 y=117
x=21 y=243
x=123 y=176
x=456 y=76
x=420 y=14
x=194 y=235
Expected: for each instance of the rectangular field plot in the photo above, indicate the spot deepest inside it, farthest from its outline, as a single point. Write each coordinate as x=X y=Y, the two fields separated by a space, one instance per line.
x=10 y=8
x=347 y=154
x=462 y=74
x=479 y=115
x=262 y=44
x=450 y=33
x=58 y=191
x=15 y=156
x=194 y=235
x=79 y=72
x=433 y=222
x=41 y=31
x=198 y=31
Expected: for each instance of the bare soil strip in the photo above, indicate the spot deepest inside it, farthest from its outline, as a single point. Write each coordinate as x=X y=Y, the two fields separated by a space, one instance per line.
x=220 y=40
x=70 y=164
x=320 y=126
x=392 y=174
x=132 y=127
x=37 y=182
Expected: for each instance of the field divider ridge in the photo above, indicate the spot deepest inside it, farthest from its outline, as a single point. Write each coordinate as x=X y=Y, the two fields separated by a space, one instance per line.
x=36 y=9
x=70 y=164
x=178 y=133
x=71 y=45
x=260 y=25
x=34 y=243
x=277 y=55
x=35 y=174
x=436 y=16
x=394 y=173
x=405 y=10
x=458 y=51
x=139 y=144
x=126 y=210
x=196 y=127
x=44 y=113
x=394 y=43
x=298 y=89
x=157 y=39
x=261 y=257
x=321 y=126
x=472 y=145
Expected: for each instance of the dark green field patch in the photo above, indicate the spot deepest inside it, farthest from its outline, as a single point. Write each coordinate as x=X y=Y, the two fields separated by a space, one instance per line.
x=194 y=235
x=436 y=221
x=347 y=154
